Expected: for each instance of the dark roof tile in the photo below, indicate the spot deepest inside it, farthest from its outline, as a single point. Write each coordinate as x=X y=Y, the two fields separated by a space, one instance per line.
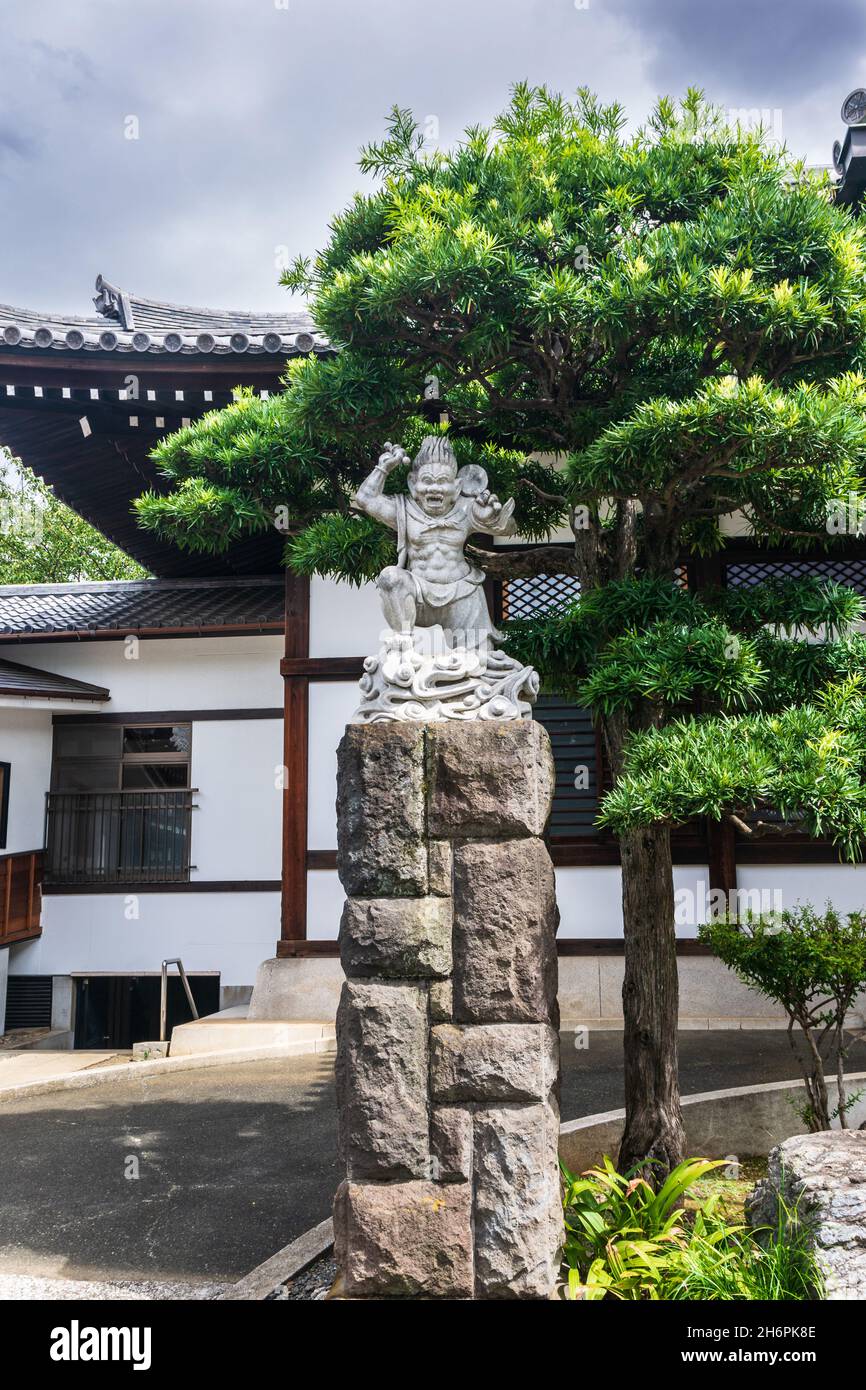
x=130 y=606
x=19 y=680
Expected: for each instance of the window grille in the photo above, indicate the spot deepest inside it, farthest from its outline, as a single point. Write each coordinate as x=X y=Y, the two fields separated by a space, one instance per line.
x=526 y=598
x=572 y=736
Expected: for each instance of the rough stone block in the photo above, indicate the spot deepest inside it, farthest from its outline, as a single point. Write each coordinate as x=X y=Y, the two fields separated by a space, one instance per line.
x=382 y=1086
x=487 y=780
x=400 y=938
x=495 y=1061
x=505 y=967
x=821 y=1178
x=439 y=862
x=441 y=1001
x=381 y=840
x=451 y=1143
x=518 y=1208
x=404 y=1240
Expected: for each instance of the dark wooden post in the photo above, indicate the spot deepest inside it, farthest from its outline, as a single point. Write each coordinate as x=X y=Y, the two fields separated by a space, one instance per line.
x=296 y=719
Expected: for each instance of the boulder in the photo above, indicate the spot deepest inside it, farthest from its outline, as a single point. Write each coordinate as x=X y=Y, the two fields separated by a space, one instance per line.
x=381 y=1074
x=494 y=1061
x=399 y=938
x=821 y=1179
x=505 y=966
x=381 y=818
x=404 y=1240
x=489 y=780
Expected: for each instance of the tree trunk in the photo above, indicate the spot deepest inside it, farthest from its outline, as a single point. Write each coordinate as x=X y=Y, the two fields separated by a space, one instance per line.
x=653 y=1139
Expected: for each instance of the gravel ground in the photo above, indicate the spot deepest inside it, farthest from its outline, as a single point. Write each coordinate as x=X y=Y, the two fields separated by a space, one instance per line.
x=26 y=1288
x=311 y=1285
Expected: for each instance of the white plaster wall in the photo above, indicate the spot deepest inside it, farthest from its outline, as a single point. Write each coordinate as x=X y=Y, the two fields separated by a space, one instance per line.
x=325 y=898
x=171 y=674
x=589 y=902
x=237 y=829
x=344 y=620
x=25 y=742
x=229 y=932
x=332 y=704
x=844 y=885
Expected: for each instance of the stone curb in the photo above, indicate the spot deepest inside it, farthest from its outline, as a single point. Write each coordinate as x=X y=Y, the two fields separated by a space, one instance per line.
x=285 y=1265
x=125 y=1071
x=718 y=1123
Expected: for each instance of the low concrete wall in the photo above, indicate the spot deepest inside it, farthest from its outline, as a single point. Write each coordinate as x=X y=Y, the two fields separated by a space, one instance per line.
x=711 y=996
x=304 y=988
x=590 y=993
x=719 y=1124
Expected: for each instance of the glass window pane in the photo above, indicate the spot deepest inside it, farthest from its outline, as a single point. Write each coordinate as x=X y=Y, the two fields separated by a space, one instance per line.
x=85 y=776
x=166 y=738
x=87 y=740
x=141 y=776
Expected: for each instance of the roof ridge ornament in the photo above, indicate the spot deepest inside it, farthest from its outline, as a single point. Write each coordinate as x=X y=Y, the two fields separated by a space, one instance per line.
x=113 y=303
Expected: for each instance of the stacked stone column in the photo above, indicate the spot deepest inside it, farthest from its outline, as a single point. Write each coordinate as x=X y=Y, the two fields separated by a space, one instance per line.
x=447 y=1043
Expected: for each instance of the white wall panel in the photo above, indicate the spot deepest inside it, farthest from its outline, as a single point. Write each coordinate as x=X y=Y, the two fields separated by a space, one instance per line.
x=228 y=932
x=332 y=704
x=344 y=620
x=237 y=829
x=590 y=899
x=171 y=674
x=25 y=742
x=844 y=885
x=325 y=898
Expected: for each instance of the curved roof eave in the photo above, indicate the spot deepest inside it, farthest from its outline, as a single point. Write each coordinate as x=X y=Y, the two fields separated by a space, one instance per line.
x=127 y=323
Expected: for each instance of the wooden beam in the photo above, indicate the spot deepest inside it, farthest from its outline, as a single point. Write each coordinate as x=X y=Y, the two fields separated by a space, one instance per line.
x=722 y=856
x=330 y=668
x=296 y=733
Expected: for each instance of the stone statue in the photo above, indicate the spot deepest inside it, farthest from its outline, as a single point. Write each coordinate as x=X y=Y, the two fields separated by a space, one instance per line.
x=438 y=659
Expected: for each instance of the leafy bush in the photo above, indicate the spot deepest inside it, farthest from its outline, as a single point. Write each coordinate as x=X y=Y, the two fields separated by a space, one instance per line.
x=814 y=965
x=625 y=1241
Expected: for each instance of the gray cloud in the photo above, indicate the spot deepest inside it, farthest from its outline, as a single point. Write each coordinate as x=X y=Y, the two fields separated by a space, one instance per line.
x=247 y=114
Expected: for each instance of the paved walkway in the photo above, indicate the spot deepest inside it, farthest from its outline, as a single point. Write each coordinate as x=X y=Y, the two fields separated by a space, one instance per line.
x=37 y=1064
x=197 y=1177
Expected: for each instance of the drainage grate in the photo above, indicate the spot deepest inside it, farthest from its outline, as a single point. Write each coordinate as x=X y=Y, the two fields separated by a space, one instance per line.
x=28 y=1001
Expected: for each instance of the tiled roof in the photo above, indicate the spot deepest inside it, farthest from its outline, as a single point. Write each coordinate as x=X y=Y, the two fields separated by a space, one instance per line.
x=127 y=323
x=16 y=679
x=131 y=606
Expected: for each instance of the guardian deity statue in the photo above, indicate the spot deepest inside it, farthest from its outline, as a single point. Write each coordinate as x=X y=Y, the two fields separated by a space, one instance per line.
x=439 y=658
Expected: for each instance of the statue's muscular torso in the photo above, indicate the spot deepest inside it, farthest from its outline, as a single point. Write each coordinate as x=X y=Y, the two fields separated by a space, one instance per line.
x=435 y=545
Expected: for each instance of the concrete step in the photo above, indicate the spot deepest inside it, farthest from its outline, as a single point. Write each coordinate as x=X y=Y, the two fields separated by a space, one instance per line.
x=231 y=1031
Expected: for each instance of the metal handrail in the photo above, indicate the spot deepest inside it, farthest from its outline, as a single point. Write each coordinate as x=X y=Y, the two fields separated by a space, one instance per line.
x=163 y=994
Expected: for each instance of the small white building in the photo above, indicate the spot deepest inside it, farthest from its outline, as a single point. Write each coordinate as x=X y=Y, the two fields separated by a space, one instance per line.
x=168 y=746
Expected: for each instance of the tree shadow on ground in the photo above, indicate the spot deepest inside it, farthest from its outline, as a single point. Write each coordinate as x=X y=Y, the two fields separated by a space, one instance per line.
x=192 y=1177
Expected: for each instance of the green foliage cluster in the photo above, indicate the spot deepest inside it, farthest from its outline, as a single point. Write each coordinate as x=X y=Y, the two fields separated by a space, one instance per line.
x=626 y=1241
x=648 y=331
x=43 y=542
x=814 y=965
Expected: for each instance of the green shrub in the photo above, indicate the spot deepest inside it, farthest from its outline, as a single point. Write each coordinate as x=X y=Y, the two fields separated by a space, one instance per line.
x=814 y=965
x=625 y=1241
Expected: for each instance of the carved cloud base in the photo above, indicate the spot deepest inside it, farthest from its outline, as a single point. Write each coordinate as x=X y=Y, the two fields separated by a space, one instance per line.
x=405 y=684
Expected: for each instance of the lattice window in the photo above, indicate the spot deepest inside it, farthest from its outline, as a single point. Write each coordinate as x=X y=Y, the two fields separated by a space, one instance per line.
x=526 y=598
x=572 y=736
x=743 y=573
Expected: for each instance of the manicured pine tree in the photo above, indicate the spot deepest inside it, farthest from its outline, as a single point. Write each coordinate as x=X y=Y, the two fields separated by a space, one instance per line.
x=637 y=335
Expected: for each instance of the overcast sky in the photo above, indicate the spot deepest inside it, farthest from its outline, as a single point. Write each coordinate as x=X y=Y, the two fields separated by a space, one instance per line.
x=250 y=112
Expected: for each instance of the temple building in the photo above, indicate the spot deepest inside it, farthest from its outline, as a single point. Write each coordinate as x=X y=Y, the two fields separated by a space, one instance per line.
x=168 y=745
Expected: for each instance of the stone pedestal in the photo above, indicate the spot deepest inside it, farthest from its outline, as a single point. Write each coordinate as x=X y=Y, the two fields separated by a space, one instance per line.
x=447 y=1043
